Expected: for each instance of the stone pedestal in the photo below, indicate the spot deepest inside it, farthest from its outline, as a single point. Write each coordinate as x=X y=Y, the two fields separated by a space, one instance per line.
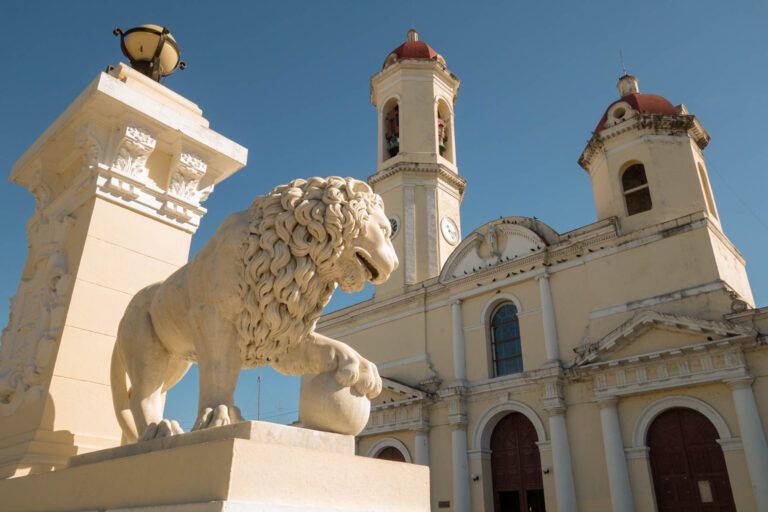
x=247 y=467
x=119 y=179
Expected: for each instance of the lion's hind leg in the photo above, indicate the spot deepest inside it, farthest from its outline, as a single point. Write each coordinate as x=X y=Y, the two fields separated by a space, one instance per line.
x=150 y=368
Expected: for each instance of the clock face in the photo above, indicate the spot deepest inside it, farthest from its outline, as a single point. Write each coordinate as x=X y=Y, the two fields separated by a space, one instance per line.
x=450 y=230
x=394 y=223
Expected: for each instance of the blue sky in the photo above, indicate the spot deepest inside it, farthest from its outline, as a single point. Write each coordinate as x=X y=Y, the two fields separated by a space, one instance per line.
x=290 y=81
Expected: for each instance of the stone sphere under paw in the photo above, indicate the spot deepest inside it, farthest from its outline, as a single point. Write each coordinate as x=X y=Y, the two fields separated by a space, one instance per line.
x=327 y=405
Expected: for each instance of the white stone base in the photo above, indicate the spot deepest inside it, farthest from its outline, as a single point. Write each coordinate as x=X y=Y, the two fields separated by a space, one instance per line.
x=250 y=466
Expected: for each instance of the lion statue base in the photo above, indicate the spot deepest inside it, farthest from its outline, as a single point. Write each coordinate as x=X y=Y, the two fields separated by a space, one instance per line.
x=252 y=297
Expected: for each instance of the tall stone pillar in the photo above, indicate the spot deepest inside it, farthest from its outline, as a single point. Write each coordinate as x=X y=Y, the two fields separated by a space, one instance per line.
x=548 y=319
x=615 y=459
x=119 y=179
x=459 y=363
x=565 y=489
x=752 y=437
x=421 y=447
x=457 y=418
x=461 y=497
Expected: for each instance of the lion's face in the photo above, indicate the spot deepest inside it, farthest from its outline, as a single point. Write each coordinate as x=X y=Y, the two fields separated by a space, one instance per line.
x=370 y=257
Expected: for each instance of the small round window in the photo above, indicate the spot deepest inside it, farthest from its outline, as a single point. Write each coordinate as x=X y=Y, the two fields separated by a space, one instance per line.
x=619 y=113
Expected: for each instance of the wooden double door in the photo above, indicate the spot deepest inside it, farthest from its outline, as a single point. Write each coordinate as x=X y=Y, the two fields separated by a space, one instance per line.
x=688 y=466
x=516 y=465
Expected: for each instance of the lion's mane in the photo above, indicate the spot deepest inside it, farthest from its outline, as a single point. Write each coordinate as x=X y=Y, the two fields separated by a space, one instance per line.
x=296 y=234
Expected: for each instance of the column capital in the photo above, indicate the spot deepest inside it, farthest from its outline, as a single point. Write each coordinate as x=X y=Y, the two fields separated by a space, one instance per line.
x=606 y=402
x=543 y=275
x=458 y=422
x=422 y=428
x=555 y=407
x=740 y=382
x=456 y=302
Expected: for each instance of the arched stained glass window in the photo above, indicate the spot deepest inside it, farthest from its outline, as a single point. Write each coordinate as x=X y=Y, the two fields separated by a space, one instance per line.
x=505 y=340
x=637 y=194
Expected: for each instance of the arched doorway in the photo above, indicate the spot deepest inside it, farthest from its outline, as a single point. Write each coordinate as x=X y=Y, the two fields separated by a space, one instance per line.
x=687 y=464
x=516 y=466
x=391 y=453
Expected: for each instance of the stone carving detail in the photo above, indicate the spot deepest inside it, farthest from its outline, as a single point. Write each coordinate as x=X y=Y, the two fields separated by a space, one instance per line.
x=37 y=316
x=682 y=367
x=185 y=179
x=263 y=280
x=41 y=191
x=133 y=150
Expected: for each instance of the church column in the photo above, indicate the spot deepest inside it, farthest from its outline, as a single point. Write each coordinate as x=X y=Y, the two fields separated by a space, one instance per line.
x=459 y=367
x=565 y=490
x=457 y=419
x=421 y=447
x=548 y=318
x=615 y=460
x=752 y=437
x=460 y=468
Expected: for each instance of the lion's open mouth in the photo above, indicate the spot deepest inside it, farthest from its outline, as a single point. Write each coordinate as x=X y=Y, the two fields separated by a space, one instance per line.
x=368 y=266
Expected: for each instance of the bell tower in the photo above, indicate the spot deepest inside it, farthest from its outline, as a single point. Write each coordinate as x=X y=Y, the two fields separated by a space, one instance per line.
x=414 y=95
x=646 y=161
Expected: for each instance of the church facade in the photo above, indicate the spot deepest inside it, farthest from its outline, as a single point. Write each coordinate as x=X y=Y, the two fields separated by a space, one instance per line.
x=618 y=366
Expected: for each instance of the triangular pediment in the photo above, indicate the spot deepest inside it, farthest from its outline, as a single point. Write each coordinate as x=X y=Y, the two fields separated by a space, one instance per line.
x=394 y=392
x=651 y=331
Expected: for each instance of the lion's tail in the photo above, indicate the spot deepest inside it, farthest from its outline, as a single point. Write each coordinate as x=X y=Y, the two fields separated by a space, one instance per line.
x=121 y=397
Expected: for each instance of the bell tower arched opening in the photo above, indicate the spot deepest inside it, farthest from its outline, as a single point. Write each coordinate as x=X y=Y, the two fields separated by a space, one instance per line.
x=445 y=137
x=391 y=129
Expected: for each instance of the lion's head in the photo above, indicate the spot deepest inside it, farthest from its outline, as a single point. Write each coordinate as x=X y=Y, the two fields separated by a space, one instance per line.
x=303 y=239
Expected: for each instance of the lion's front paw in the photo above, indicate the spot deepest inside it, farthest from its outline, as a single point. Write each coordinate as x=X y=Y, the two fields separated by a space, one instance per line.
x=218 y=416
x=164 y=428
x=360 y=374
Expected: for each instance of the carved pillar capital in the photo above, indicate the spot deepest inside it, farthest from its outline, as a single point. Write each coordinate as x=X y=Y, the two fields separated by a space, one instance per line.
x=133 y=149
x=184 y=180
x=741 y=382
x=607 y=402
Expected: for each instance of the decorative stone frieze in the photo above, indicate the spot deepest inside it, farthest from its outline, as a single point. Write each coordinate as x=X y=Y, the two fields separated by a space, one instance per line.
x=694 y=364
x=38 y=309
x=409 y=410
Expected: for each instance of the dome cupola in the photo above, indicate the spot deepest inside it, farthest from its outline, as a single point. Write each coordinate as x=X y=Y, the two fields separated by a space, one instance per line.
x=413 y=48
x=632 y=102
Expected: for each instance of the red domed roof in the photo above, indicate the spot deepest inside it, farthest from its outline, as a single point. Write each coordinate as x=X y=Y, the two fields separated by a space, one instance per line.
x=412 y=49
x=643 y=103
x=415 y=50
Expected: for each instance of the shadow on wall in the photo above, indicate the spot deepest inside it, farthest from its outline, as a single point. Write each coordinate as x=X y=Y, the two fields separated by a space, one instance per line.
x=49 y=449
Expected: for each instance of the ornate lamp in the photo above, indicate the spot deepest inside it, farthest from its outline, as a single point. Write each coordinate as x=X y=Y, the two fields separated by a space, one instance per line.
x=151 y=49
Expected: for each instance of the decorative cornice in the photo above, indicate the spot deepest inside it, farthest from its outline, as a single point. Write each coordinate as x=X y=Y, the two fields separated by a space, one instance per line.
x=657 y=123
x=431 y=170
x=647 y=319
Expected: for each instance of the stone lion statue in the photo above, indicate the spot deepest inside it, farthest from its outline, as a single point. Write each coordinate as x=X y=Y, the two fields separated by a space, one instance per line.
x=251 y=297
